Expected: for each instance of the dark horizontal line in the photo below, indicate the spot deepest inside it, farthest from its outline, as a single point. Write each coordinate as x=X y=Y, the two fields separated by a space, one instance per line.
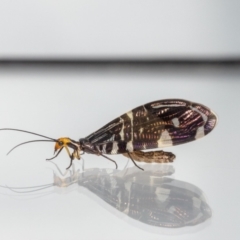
x=119 y=61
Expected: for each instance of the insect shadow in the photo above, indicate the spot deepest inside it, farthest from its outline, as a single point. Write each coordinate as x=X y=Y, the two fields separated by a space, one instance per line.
x=151 y=197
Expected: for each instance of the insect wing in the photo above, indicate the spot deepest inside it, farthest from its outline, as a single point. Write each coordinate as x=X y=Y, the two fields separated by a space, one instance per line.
x=154 y=125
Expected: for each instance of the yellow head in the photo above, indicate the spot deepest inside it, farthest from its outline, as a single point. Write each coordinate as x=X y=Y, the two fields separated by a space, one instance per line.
x=67 y=143
x=60 y=144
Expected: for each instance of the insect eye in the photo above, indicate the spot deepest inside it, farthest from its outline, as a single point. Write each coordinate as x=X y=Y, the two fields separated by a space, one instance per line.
x=60 y=143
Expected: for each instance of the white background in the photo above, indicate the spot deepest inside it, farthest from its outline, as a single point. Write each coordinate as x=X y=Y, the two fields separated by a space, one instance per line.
x=90 y=29
x=75 y=101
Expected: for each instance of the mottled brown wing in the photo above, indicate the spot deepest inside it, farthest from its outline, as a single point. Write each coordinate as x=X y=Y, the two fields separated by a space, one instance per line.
x=154 y=125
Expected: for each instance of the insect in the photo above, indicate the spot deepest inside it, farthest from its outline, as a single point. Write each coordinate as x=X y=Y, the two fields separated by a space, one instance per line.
x=154 y=125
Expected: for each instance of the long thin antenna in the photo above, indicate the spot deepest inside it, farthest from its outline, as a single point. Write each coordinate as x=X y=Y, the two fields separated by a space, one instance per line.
x=33 y=133
x=29 y=142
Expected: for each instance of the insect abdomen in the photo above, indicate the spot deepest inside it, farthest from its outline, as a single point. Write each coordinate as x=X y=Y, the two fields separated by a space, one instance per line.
x=151 y=157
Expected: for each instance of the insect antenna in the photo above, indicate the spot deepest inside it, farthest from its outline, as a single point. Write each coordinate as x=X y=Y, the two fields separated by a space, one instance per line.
x=40 y=140
x=33 y=133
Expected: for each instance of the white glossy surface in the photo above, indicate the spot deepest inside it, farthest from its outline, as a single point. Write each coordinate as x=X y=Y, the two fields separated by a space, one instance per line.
x=119 y=29
x=71 y=101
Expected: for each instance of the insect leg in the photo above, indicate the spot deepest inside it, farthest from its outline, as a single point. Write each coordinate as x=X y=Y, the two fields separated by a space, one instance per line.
x=109 y=160
x=55 y=155
x=134 y=161
x=71 y=159
x=99 y=153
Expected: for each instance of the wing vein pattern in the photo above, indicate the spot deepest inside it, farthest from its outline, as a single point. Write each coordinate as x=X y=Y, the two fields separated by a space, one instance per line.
x=154 y=125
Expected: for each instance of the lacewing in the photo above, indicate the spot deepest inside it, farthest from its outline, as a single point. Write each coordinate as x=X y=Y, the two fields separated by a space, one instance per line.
x=154 y=125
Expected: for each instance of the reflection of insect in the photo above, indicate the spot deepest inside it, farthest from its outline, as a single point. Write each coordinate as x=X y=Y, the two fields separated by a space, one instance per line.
x=154 y=125
x=151 y=197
